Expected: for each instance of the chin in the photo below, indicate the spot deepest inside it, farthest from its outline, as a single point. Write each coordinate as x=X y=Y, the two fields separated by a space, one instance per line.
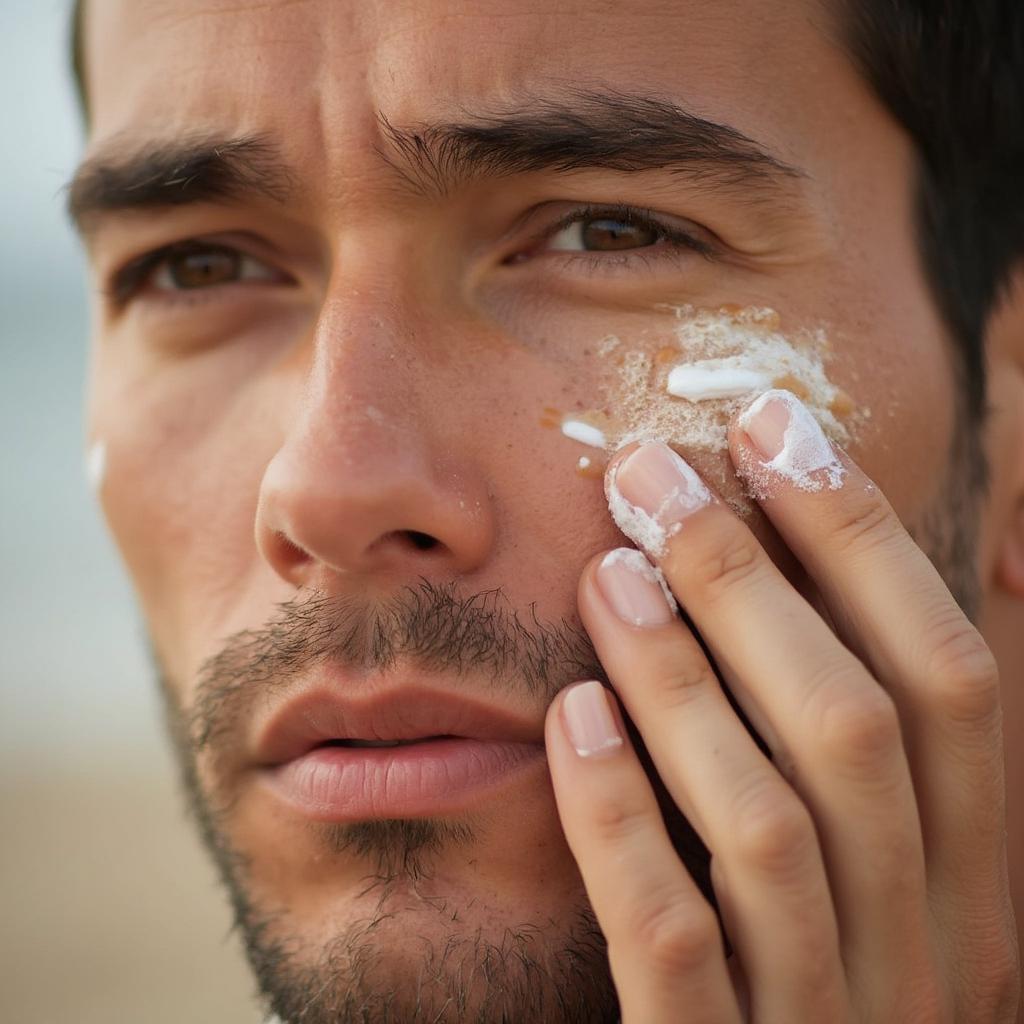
x=442 y=942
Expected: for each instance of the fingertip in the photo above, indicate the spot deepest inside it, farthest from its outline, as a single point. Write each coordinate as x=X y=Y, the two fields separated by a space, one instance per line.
x=586 y=715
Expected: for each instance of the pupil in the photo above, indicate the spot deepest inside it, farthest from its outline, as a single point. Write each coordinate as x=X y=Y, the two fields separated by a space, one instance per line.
x=198 y=269
x=607 y=233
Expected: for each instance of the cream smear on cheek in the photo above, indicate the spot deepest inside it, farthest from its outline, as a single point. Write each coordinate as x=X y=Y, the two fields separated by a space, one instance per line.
x=685 y=393
x=96 y=466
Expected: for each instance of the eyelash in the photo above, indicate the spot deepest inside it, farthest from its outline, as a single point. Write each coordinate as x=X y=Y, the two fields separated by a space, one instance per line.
x=129 y=280
x=681 y=242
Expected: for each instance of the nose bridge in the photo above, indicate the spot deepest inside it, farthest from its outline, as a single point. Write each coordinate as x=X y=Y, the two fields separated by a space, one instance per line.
x=364 y=480
x=362 y=378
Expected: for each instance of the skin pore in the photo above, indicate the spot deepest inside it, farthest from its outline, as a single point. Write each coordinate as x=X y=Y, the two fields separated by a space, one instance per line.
x=334 y=455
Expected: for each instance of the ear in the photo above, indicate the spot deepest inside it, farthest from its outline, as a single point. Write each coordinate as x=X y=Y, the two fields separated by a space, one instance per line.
x=1011 y=557
x=1005 y=351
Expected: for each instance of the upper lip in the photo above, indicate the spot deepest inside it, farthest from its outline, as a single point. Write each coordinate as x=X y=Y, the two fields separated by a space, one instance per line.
x=398 y=713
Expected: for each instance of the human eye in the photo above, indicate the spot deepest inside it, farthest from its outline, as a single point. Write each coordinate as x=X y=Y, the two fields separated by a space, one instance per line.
x=610 y=237
x=188 y=269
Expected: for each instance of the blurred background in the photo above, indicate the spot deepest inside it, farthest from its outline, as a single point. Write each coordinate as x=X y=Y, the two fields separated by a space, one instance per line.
x=110 y=912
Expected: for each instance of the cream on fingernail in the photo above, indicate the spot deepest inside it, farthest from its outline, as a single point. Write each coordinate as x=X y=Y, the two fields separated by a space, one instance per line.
x=635 y=590
x=649 y=494
x=791 y=442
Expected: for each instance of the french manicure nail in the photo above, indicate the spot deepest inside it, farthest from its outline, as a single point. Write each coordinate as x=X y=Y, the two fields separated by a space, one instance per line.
x=589 y=724
x=635 y=589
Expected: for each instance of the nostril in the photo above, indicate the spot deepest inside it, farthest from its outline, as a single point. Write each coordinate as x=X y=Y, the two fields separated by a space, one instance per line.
x=288 y=549
x=421 y=541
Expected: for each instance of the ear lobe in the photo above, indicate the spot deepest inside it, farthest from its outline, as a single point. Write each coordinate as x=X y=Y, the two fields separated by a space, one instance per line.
x=1006 y=386
x=1010 y=560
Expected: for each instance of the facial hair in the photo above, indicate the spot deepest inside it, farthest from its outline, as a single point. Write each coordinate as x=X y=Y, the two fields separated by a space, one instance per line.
x=532 y=970
x=538 y=971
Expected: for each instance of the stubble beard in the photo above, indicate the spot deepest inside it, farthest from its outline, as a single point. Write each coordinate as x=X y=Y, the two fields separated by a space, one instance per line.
x=461 y=961
x=551 y=971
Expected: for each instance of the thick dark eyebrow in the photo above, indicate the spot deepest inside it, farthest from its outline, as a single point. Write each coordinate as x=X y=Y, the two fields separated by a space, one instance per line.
x=581 y=130
x=613 y=130
x=193 y=169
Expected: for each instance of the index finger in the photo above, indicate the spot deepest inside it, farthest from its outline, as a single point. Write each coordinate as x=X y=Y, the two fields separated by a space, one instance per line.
x=892 y=608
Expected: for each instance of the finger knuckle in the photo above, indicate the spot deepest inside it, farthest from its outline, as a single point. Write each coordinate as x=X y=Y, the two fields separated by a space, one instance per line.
x=684 y=682
x=613 y=818
x=728 y=565
x=677 y=934
x=863 y=523
x=860 y=728
x=774 y=832
x=963 y=674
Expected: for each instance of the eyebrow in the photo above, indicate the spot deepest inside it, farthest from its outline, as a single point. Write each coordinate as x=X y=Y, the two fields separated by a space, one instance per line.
x=605 y=129
x=581 y=130
x=195 y=168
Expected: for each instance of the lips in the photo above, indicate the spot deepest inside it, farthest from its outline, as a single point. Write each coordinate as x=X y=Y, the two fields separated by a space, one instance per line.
x=407 y=752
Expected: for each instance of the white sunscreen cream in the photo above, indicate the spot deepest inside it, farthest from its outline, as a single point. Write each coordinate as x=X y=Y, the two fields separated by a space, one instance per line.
x=685 y=393
x=585 y=433
x=716 y=378
x=96 y=465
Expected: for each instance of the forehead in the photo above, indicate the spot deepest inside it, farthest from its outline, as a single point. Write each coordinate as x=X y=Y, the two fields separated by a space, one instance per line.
x=330 y=66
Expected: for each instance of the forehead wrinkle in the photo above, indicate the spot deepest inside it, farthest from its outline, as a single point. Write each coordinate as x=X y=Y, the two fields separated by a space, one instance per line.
x=172 y=15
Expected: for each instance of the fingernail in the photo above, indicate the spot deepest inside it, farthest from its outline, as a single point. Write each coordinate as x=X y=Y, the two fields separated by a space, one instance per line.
x=650 y=492
x=635 y=589
x=765 y=423
x=588 y=720
x=791 y=441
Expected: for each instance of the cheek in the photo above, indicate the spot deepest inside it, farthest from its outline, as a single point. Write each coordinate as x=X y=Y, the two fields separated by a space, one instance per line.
x=181 y=478
x=881 y=387
x=899 y=366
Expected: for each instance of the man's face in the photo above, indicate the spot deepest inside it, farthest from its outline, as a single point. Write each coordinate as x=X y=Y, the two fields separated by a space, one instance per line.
x=352 y=420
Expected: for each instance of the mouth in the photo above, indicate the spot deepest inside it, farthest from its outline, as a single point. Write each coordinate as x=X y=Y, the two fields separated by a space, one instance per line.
x=379 y=743
x=405 y=753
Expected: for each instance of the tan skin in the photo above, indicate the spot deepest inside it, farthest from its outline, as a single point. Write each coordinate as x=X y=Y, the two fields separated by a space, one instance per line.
x=241 y=411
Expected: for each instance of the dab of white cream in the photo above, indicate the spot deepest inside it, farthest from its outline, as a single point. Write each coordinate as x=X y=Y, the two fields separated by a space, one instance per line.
x=715 y=379
x=96 y=465
x=586 y=434
x=807 y=459
x=584 y=463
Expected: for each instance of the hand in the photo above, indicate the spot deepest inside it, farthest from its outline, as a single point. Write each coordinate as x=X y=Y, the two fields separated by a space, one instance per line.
x=861 y=871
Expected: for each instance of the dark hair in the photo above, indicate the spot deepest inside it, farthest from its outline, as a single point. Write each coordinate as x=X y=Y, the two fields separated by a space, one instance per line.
x=952 y=74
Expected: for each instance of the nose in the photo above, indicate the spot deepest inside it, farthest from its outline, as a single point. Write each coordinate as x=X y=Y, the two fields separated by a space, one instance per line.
x=367 y=480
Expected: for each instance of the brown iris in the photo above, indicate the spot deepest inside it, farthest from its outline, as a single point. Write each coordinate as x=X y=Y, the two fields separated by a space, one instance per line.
x=607 y=233
x=198 y=268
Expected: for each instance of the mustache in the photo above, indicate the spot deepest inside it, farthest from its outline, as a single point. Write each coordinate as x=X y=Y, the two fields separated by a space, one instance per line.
x=430 y=626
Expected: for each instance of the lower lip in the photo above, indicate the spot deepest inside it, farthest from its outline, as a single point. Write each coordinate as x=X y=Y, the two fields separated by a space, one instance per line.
x=441 y=776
